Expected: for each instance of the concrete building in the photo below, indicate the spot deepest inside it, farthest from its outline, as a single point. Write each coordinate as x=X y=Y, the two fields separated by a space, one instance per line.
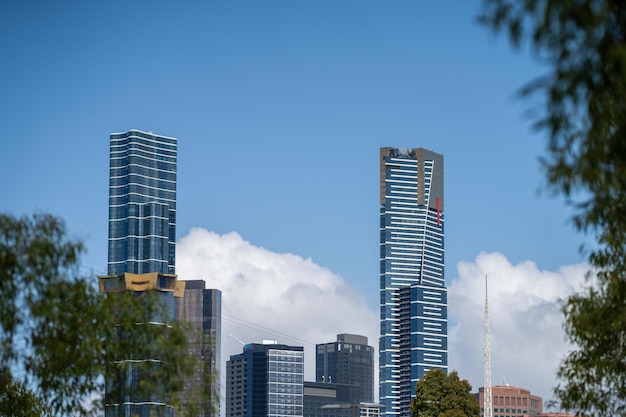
x=413 y=309
x=349 y=360
x=202 y=309
x=511 y=401
x=265 y=380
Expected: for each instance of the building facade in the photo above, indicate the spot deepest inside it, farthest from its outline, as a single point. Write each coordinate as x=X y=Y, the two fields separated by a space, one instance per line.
x=557 y=414
x=508 y=401
x=325 y=399
x=266 y=379
x=413 y=309
x=141 y=259
x=142 y=203
x=202 y=309
x=136 y=357
x=370 y=410
x=349 y=360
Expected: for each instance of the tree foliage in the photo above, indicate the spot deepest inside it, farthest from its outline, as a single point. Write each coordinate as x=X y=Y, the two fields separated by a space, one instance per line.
x=18 y=401
x=41 y=330
x=143 y=348
x=583 y=44
x=441 y=395
x=60 y=339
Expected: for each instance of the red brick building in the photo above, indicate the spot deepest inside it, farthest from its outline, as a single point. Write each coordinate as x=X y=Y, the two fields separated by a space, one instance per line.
x=508 y=401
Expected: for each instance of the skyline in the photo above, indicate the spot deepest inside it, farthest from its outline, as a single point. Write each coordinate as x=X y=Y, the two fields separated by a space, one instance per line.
x=280 y=111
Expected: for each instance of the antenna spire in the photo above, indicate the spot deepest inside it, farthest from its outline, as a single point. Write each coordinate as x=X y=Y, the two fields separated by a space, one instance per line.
x=487 y=403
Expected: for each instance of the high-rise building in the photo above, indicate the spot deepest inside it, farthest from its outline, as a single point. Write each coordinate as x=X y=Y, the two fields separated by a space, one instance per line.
x=265 y=380
x=413 y=309
x=350 y=361
x=142 y=203
x=202 y=309
x=142 y=234
x=511 y=401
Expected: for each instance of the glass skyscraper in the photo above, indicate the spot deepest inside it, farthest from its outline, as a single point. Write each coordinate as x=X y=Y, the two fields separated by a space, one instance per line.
x=142 y=234
x=413 y=296
x=349 y=360
x=265 y=380
x=142 y=203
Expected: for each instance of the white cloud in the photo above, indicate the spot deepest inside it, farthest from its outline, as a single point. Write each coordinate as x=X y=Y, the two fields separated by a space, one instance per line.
x=527 y=337
x=268 y=295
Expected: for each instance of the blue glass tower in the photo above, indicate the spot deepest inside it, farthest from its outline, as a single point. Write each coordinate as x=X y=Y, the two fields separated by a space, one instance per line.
x=413 y=296
x=142 y=235
x=265 y=380
x=142 y=203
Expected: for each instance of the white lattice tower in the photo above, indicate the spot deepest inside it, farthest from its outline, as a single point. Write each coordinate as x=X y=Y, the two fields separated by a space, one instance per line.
x=487 y=404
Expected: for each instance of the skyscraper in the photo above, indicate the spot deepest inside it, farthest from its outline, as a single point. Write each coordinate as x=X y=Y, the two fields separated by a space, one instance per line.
x=349 y=361
x=202 y=309
x=413 y=309
x=142 y=234
x=265 y=380
x=142 y=203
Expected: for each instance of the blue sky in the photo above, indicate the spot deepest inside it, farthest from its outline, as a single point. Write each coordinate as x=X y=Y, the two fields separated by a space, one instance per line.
x=280 y=108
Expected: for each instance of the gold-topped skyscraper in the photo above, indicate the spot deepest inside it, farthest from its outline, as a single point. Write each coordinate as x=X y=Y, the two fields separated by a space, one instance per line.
x=142 y=238
x=413 y=296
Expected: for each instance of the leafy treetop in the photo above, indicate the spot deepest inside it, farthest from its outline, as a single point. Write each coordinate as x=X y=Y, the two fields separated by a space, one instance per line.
x=441 y=395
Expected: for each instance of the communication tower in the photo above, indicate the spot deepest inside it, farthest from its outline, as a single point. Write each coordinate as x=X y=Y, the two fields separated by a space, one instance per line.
x=487 y=382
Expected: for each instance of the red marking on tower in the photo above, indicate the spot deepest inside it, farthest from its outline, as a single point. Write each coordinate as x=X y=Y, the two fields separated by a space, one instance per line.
x=438 y=211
